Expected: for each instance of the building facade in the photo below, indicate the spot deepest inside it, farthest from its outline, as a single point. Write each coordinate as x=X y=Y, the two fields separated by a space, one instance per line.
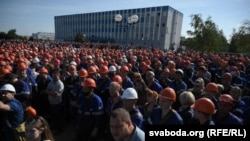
x=43 y=36
x=158 y=27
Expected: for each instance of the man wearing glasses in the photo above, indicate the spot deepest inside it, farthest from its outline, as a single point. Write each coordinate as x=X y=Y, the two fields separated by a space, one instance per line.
x=12 y=109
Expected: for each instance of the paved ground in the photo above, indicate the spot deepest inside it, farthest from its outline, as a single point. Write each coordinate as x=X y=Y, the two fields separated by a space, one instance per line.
x=68 y=134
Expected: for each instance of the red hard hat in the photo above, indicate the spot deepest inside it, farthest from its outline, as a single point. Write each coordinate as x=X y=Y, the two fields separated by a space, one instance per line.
x=104 y=69
x=204 y=105
x=168 y=93
x=92 y=69
x=22 y=66
x=118 y=79
x=30 y=111
x=83 y=73
x=43 y=70
x=89 y=82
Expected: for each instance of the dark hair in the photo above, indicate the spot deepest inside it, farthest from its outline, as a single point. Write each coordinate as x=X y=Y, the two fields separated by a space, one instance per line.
x=41 y=124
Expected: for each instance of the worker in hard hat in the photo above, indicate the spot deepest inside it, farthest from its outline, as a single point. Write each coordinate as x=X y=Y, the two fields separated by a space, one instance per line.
x=90 y=112
x=165 y=114
x=129 y=98
x=203 y=110
x=223 y=115
x=14 y=112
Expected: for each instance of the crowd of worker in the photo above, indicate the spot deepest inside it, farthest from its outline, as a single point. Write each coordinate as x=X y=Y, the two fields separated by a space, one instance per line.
x=83 y=84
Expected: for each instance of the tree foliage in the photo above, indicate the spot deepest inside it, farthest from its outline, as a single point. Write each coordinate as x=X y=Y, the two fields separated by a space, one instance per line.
x=11 y=34
x=240 y=40
x=80 y=38
x=206 y=36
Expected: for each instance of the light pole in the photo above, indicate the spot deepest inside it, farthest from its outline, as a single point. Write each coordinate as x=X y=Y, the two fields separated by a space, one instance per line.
x=130 y=21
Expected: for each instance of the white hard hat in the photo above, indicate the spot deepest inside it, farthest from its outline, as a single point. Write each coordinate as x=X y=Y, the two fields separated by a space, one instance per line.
x=112 y=68
x=36 y=60
x=73 y=63
x=129 y=93
x=89 y=57
x=180 y=71
x=8 y=87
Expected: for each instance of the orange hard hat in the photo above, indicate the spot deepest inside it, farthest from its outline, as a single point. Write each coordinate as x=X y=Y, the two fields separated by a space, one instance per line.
x=9 y=67
x=43 y=70
x=3 y=63
x=22 y=66
x=117 y=78
x=92 y=69
x=104 y=69
x=226 y=98
x=83 y=73
x=89 y=82
x=30 y=111
x=212 y=87
x=4 y=71
x=168 y=93
x=204 y=105
x=124 y=68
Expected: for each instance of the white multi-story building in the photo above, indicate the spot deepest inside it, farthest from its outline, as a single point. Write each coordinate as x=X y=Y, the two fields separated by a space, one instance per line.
x=44 y=36
x=158 y=27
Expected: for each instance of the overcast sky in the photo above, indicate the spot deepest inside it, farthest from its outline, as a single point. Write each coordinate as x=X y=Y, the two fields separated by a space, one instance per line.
x=32 y=16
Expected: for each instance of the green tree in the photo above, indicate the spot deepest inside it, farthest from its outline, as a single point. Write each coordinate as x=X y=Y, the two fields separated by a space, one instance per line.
x=206 y=35
x=12 y=34
x=80 y=38
x=240 y=40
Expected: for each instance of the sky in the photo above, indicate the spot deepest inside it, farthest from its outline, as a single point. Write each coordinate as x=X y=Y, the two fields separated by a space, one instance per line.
x=32 y=16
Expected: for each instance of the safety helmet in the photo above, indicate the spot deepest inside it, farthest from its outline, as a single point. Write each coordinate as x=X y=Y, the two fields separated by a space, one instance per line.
x=73 y=63
x=36 y=60
x=3 y=63
x=22 y=66
x=8 y=87
x=30 y=111
x=124 y=68
x=118 y=79
x=83 y=73
x=4 y=71
x=43 y=70
x=226 y=98
x=92 y=69
x=204 y=105
x=8 y=67
x=212 y=87
x=129 y=93
x=179 y=71
x=89 y=82
x=112 y=68
x=168 y=93
x=104 y=69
